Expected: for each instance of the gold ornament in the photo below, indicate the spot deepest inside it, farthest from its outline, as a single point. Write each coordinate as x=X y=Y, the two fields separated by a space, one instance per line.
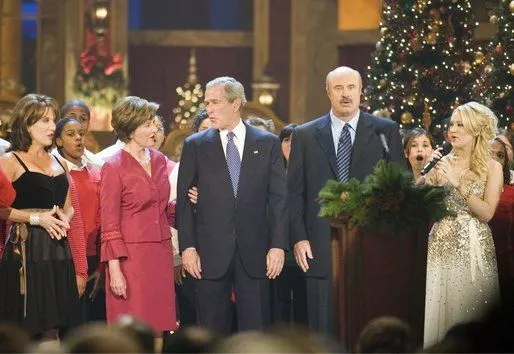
x=431 y=38
x=415 y=44
x=435 y=14
x=479 y=57
x=511 y=69
x=488 y=69
x=344 y=196
x=511 y=7
x=435 y=28
x=383 y=82
x=407 y=117
x=493 y=19
x=465 y=66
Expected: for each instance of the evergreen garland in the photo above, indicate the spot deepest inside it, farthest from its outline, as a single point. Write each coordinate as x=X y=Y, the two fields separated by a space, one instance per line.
x=387 y=198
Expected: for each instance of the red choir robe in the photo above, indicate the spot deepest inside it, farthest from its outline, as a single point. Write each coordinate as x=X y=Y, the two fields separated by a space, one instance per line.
x=76 y=237
x=135 y=230
x=7 y=195
x=502 y=228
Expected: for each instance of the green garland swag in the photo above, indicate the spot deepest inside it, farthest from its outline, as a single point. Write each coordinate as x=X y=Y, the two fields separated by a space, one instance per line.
x=387 y=198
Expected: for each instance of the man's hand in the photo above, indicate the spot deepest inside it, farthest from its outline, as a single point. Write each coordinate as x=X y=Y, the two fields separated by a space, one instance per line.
x=274 y=262
x=192 y=193
x=81 y=285
x=302 y=250
x=178 y=273
x=98 y=283
x=191 y=263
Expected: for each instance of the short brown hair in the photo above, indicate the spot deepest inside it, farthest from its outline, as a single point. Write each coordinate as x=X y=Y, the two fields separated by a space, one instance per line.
x=129 y=113
x=27 y=112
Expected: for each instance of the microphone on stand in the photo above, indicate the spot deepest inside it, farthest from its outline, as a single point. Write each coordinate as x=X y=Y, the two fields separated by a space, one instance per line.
x=446 y=148
x=385 y=146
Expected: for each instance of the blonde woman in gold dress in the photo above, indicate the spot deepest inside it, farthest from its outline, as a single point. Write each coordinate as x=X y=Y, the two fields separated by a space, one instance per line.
x=462 y=276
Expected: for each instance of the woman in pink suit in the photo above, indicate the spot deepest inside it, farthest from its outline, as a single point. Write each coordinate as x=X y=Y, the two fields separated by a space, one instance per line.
x=135 y=240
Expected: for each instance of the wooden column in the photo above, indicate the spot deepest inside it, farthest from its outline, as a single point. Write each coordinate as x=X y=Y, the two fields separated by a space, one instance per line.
x=73 y=43
x=313 y=55
x=10 y=50
x=119 y=31
x=260 y=37
x=50 y=49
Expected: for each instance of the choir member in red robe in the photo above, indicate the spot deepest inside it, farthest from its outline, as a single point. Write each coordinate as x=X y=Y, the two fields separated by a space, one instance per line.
x=7 y=195
x=70 y=142
x=502 y=226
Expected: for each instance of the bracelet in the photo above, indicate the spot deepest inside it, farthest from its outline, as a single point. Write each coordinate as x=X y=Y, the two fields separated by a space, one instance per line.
x=34 y=219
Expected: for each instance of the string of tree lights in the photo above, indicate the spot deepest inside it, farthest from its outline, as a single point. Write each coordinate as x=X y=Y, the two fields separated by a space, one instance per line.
x=423 y=63
x=190 y=97
x=494 y=85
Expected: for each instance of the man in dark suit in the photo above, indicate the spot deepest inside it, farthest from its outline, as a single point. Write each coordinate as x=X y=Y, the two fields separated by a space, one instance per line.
x=343 y=144
x=237 y=232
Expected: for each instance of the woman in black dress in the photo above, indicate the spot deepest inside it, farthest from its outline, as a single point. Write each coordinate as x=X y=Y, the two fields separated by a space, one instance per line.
x=38 y=287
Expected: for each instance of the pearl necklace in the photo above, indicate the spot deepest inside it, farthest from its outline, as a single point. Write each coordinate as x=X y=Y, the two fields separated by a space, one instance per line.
x=145 y=160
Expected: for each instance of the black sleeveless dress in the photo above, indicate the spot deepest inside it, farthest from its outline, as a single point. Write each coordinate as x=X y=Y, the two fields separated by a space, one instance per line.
x=51 y=289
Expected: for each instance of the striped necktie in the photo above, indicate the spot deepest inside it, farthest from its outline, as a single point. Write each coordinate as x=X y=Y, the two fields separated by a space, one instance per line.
x=344 y=154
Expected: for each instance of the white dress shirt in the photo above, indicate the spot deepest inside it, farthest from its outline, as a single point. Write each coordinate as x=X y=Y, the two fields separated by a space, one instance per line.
x=70 y=165
x=239 y=138
x=337 y=126
x=106 y=153
x=173 y=178
x=4 y=146
x=90 y=158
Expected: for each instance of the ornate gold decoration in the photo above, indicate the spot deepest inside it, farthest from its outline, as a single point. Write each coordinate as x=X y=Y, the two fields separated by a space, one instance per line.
x=407 y=117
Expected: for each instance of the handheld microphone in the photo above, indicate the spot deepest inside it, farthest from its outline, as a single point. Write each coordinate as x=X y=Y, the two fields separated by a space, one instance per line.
x=446 y=148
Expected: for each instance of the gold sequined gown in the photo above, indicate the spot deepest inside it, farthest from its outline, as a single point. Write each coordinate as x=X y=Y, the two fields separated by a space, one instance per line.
x=462 y=276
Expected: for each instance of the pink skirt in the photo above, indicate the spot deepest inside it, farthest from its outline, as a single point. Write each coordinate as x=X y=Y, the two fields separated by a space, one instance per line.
x=150 y=286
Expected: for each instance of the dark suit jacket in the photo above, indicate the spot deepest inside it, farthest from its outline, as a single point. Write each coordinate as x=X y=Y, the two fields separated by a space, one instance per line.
x=256 y=220
x=313 y=161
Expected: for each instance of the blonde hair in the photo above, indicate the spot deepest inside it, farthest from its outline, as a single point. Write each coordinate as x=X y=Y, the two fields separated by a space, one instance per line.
x=480 y=122
x=129 y=113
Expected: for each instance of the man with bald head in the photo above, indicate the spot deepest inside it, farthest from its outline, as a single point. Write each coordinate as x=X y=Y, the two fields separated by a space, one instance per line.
x=343 y=144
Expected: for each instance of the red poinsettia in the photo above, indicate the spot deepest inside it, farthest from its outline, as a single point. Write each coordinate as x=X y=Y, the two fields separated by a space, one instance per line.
x=113 y=63
x=107 y=62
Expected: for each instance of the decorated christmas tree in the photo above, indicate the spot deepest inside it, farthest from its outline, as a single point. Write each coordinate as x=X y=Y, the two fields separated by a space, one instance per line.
x=495 y=83
x=422 y=66
x=190 y=97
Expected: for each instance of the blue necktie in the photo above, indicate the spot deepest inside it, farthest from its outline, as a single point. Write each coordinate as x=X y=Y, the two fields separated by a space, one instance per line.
x=233 y=162
x=344 y=153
